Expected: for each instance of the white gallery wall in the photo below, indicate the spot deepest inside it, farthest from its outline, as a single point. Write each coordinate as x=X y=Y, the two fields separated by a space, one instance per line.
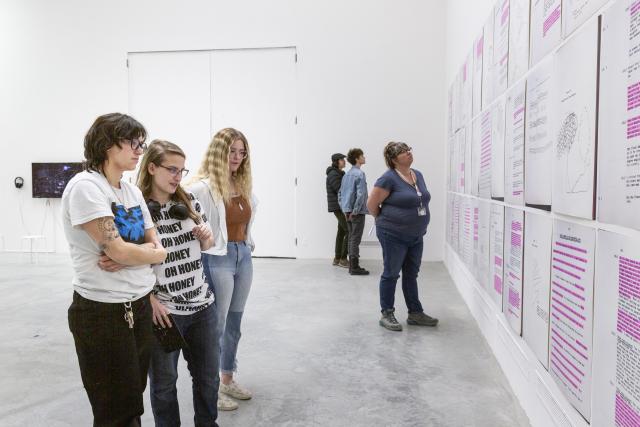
x=368 y=72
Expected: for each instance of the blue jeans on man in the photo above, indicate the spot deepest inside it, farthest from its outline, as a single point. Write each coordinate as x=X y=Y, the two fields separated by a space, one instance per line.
x=199 y=331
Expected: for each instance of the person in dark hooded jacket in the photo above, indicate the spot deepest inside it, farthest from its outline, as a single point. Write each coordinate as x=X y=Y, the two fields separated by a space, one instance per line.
x=334 y=180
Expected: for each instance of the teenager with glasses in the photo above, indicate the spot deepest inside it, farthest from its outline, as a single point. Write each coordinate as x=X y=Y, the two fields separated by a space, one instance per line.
x=400 y=202
x=112 y=242
x=223 y=185
x=181 y=297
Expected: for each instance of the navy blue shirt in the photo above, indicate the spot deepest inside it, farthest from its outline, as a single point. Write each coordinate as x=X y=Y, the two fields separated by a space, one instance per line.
x=399 y=212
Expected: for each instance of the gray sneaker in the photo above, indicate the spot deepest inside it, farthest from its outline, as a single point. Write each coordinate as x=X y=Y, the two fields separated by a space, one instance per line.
x=421 y=319
x=388 y=320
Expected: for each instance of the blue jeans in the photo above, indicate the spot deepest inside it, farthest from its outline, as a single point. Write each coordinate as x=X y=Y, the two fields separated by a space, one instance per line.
x=231 y=277
x=199 y=332
x=400 y=253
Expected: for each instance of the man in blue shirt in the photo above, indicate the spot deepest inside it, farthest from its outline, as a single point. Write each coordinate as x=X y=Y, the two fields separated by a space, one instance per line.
x=353 y=202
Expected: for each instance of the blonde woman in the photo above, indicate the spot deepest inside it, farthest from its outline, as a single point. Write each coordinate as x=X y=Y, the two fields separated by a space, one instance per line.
x=181 y=297
x=223 y=185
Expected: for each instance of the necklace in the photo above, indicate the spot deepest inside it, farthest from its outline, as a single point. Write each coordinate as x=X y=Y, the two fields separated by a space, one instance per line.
x=234 y=191
x=239 y=197
x=113 y=190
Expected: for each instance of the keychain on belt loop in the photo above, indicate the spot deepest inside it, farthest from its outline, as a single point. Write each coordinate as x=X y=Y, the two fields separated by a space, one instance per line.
x=128 y=314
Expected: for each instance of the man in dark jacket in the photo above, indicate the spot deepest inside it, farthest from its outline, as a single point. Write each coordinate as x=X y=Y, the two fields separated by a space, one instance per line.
x=334 y=180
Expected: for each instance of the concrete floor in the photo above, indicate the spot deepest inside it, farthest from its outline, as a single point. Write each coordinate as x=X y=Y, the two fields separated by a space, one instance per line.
x=312 y=352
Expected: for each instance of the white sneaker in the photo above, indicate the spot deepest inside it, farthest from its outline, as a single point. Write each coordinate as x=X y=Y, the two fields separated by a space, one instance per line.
x=234 y=390
x=226 y=404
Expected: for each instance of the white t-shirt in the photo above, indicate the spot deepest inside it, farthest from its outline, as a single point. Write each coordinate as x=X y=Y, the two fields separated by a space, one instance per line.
x=181 y=283
x=89 y=196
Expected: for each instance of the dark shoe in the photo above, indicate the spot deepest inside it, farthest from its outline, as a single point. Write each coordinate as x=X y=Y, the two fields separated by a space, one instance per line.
x=336 y=261
x=355 y=269
x=343 y=263
x=421 y=319
x=388 y=320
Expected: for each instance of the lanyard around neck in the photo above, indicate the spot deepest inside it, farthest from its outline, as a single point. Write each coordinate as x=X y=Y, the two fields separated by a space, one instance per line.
x=415 y=184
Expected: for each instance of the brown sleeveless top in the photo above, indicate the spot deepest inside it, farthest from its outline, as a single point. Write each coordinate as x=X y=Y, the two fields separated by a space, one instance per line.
x=238 y=214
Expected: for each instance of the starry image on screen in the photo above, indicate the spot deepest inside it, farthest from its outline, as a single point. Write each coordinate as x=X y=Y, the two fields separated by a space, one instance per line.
x=50 y=179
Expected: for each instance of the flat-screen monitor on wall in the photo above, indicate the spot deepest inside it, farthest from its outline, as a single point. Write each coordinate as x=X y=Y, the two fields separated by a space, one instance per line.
x=50 y=179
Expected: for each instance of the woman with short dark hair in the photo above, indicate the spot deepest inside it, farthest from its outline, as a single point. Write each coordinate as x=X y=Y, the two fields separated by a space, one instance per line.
x=112 y=243
x=400 y=202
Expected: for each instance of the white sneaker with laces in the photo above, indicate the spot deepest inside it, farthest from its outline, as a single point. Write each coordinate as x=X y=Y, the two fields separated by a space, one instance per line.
x=234 y=390
x=226 y=404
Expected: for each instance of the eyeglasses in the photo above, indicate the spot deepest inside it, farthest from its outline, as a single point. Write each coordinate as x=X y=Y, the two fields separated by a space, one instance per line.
x=137 y=144
x=400 y=149
x=240 y=153
x=173 y=171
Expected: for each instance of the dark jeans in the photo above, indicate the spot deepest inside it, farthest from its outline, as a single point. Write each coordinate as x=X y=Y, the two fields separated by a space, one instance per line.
x=400 y=253
x=199 y=332
x=113 y=358
x=356 y=227
x=342 y=236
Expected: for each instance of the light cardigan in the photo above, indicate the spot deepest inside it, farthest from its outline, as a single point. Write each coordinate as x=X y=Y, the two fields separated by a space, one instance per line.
x=216 y=214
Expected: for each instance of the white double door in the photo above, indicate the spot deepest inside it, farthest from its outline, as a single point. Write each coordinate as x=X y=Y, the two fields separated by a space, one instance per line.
x=186 y=97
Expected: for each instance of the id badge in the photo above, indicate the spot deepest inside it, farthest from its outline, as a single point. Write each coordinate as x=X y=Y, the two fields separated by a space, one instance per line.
x=422 y=211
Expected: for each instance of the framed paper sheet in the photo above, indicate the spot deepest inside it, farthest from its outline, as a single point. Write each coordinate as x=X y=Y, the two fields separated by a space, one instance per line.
x=616 y=333
x=574 y=150
x=536 y=284
x=571 y=329
x=514 y=145
x=518 y=39
x=501 y=46
x=539 y=136
x=496 y=253
x=546 y=31
x=513 y=255
x=619 y=116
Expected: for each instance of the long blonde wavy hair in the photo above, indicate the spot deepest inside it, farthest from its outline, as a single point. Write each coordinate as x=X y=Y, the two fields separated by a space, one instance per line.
x=215 y=166
x=156 y=153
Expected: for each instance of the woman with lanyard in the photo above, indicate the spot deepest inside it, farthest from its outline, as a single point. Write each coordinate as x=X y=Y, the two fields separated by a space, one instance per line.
x=181 y=297
x=400 y=203
x=223 y=186
x=112 y=242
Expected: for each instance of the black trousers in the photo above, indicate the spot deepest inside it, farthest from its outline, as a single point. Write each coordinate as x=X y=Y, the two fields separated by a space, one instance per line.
x=113 y=358
x=342 y=236
x=356 y=228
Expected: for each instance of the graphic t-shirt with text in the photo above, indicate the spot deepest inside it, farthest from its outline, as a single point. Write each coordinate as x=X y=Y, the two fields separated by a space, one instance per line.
x=181 y=284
